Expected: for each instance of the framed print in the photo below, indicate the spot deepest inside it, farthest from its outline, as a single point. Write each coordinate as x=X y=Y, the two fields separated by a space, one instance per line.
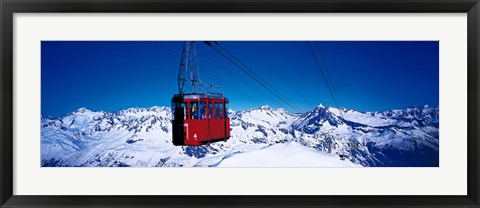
x=267 y=103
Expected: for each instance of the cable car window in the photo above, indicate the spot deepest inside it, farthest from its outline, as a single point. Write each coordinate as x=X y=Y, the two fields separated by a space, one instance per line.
x=194 y=112
x=210 y=109
x=216 y=110
x=179 y=110
x=183 y=110
x=220 y=110
x=226 y=110
x=174 y=108
x=202 y=110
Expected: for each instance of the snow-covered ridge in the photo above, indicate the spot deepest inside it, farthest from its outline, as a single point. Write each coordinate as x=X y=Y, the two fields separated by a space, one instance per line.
x=396 y=137
x=142 y=136
x=391 y=117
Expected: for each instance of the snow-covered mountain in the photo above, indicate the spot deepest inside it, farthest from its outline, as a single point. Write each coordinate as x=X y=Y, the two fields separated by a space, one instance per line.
x=141 y=137
x=407 y=137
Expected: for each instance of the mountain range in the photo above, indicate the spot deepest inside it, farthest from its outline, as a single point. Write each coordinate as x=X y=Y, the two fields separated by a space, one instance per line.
x=141 y=137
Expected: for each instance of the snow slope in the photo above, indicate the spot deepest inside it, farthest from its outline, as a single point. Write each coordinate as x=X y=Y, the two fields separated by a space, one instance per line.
x=289 y=154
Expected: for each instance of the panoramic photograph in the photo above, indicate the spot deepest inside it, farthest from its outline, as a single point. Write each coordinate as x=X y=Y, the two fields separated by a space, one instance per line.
x=240 y=104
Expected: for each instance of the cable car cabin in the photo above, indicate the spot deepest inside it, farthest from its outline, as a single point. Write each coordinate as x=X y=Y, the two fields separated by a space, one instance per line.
x=199 y=119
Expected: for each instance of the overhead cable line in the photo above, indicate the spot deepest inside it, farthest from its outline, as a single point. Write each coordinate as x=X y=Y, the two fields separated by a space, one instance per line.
x=234 y=89
x=326 y=69
x=324 y=77
x=223 y=52
x=282 y=75
x=239 y=77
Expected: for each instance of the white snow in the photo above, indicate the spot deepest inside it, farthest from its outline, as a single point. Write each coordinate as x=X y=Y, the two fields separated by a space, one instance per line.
x=290 y=154
x=361 y=118
x=266 y=116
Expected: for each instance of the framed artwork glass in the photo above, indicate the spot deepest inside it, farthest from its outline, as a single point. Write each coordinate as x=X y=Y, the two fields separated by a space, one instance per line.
x=210 y=103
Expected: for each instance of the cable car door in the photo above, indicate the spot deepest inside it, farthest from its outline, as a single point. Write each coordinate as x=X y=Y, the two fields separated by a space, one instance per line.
x=198 y=123
x=179 y=123
x=217 y=122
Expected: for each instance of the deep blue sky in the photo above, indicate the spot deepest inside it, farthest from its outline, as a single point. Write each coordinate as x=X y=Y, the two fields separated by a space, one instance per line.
x=112 y=75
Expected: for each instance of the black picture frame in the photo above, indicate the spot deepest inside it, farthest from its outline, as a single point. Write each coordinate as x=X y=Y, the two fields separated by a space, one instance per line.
x=9 y=7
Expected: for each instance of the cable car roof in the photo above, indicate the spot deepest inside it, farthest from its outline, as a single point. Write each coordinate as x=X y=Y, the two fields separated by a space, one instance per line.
x=197 y=96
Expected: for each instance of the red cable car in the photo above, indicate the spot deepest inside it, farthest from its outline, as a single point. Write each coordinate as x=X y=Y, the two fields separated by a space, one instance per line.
x=200 y=111
x=200 y=119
